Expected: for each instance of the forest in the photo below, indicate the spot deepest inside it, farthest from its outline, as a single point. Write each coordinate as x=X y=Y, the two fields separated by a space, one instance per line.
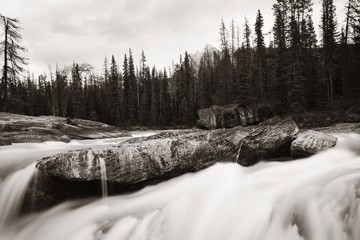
x=297 y=72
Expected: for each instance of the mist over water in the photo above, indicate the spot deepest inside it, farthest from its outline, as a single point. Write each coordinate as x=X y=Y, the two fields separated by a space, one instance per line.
x=316 y=198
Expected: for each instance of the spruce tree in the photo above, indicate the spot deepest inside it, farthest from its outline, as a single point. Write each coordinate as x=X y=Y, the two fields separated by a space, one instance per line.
x=280 y=84
x=127 y=91
x=154 y=98
x=76 y=92
x=133 y=92
x=205 y=74
x=260 y=58
x=328 y=28
x=114 y=94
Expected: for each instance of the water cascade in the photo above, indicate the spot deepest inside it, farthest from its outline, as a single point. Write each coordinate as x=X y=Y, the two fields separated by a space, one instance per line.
x=317 y=198
x=12 y=192
x=103 y=177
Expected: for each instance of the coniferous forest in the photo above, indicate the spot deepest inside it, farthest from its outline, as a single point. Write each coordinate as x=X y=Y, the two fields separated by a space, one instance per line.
x=299 y=71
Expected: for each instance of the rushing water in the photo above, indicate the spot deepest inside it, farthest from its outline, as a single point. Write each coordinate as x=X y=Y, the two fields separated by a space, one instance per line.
x=103 y=177
x=315 y=198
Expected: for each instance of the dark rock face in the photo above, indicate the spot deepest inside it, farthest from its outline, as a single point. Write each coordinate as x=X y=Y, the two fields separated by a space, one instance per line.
x=15 y=128
x=311 y=142
x=210 y=118
x=232 y=115
x=267 y=142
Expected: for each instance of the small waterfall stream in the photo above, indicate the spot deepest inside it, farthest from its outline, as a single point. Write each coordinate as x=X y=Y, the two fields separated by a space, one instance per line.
x=12 y=192
x=103 y=177
x=317 y=198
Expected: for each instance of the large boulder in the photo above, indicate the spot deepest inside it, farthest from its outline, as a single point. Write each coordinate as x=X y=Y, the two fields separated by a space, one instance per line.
x=267 y=142
x=210 y=118
x=138 y=162
x=158 y=156
x=232 y=115
x=311 y=142
x=172 y=153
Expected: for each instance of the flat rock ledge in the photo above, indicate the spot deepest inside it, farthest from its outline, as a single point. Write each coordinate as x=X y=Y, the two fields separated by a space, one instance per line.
x=16 y=128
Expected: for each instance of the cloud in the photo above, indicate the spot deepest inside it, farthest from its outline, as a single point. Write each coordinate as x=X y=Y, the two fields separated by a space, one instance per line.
x=88 y=30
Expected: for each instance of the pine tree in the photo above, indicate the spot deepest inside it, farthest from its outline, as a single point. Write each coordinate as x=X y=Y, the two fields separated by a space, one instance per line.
x=260 y=57
x=328 y=28
x=206 y=75
x=165 y=106
x=13 y=60
x=294 y=66
x=144 y=91
x=77 y=99
x=244 y=77
x=114 y=94
x=127 y=91
x=133 y=92
x=225 y=83
x=280 y=84
x=60 y=85
x=154 y=98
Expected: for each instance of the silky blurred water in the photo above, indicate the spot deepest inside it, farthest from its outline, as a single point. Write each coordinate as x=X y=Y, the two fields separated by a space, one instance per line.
x=316 y=198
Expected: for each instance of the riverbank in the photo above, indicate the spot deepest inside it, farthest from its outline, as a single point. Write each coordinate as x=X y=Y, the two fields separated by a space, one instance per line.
x=16 y=128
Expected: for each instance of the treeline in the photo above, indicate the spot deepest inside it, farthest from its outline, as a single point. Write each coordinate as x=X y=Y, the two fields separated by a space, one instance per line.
x=295 y=73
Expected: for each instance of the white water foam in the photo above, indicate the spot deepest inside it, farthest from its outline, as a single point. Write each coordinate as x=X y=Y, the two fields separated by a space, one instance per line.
x=12 y=192
x=315 y=199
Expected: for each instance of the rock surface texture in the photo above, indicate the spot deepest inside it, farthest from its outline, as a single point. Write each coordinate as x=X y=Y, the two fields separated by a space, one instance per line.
x=311 y=142
x=138 y=162
x=171 y=154
x=15 y=128
x=267 y=142
x=232 y=115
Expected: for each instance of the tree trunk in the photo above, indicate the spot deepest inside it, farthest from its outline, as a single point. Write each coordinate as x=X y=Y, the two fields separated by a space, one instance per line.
x=5 y=73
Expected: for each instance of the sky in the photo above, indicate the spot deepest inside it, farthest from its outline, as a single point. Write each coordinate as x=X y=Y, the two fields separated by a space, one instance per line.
x=60 y=32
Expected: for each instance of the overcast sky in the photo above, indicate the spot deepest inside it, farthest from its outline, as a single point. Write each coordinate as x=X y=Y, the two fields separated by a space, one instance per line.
x=85 y=31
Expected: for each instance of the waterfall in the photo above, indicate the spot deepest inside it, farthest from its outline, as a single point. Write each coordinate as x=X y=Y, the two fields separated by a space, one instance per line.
x=103 y=177
x=12 y=192
x=316 y=198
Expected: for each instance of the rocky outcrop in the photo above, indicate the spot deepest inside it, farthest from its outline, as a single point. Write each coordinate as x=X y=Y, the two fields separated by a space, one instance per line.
x=15 y=128
x=267 y=142
x=311 y=142
x=137 y=160
x=232 y=115
x=171 y=154
x=210 y=118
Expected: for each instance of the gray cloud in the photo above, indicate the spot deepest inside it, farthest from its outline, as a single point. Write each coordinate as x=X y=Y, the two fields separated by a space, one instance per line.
x=62 y=31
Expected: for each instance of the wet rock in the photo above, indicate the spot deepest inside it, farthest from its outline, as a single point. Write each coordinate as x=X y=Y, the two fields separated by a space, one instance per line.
x=139 y=162
x=136 y=160
x=311 y=142
x=267 y=142
x=173 y=153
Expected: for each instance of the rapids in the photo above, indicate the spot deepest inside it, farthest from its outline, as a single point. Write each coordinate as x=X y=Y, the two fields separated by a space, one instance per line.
x=316 y=198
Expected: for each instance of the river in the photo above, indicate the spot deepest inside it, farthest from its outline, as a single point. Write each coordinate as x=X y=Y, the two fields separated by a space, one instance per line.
x=316 y=198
